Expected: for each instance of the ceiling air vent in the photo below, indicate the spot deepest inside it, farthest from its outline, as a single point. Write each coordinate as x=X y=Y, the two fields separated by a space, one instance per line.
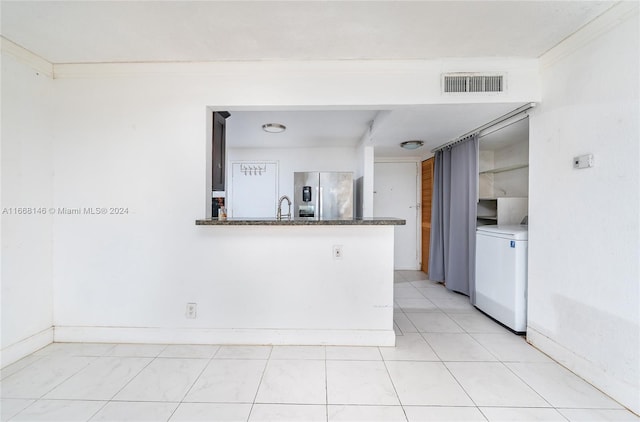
x=472 y=82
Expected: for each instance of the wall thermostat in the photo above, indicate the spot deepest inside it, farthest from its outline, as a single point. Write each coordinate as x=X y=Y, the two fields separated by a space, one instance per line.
x=583 y=161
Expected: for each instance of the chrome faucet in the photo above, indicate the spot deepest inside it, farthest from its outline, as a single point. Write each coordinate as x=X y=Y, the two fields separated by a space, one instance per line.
x=288 y=214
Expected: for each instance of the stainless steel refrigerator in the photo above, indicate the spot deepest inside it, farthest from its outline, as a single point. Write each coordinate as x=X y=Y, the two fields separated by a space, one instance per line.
x=323 y=195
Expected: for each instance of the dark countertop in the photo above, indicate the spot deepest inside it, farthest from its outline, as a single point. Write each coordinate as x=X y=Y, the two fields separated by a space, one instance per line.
x=383 y=221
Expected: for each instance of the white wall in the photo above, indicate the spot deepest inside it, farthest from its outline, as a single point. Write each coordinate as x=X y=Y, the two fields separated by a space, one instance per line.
x=251 y=284
x=346 y=83
x=366 y=170
x=514 y=182
x=27 y=168
x=137 y=143
x=584 y=233
x=135 y=136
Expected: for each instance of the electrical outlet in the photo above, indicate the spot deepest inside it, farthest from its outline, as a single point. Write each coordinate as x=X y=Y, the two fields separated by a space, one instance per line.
x=192 y=309
x=337 y=251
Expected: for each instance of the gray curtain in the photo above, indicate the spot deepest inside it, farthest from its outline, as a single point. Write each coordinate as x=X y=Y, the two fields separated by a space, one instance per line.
x=453 y=217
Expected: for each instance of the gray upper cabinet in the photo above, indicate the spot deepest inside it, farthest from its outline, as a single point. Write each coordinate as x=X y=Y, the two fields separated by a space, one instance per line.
x=218 y=150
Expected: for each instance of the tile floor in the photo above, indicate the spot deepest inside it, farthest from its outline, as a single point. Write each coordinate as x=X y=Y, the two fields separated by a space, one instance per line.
x=451 y=363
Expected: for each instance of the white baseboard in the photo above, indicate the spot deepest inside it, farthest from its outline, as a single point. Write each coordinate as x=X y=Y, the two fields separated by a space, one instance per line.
x=626 y=394
x=17 y=351
x=224 y=336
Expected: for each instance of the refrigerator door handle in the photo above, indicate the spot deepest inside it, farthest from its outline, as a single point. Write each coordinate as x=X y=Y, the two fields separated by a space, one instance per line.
x=321 y=213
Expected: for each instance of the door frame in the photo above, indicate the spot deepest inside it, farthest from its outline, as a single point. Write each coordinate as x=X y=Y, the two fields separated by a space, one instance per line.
x=418 y=196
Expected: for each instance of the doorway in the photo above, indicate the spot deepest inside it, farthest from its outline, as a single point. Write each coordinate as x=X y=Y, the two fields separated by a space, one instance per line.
x=395 y=186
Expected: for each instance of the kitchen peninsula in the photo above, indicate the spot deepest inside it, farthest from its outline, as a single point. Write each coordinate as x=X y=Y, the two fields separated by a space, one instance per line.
x=302 y=282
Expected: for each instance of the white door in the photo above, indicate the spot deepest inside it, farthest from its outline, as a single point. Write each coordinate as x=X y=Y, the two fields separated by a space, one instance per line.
x=254 y=190
x=395 y=187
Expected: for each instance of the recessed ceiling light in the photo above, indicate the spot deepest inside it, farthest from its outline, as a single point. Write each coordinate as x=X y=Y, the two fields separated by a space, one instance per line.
x=273 y=127
x=412 y=144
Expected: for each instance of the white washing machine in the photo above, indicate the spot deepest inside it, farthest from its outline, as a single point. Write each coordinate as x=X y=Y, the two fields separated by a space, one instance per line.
x=501 y=274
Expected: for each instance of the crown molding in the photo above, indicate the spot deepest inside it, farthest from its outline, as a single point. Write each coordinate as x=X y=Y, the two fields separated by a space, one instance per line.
x=613 y=17
x=288 y=67
x=26 y=57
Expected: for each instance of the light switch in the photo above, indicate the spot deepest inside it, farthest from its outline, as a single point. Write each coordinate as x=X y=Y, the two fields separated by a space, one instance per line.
x=583 y=161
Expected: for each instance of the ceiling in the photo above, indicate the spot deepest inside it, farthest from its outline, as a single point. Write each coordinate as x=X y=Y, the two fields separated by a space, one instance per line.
x=326 y=128
x=152 y=31
x=434 y=124
x=505 y=136
x=94 y=31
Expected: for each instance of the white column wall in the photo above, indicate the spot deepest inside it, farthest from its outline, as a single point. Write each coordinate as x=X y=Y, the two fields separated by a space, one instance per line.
x=369 y=173
x=27 y=170
x=584 y=233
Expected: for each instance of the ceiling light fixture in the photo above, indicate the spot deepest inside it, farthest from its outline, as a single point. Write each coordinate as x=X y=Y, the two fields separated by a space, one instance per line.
x=274 y=127
x=411 y=144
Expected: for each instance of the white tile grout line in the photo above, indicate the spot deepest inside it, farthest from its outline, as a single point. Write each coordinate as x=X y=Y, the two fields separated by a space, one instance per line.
x=395 y=390
x=209 y=361
x=463 y=389
x=95 y=358
x=431 y=347
x=132 y=378
x=193 y=384
x=553 y=362
x=39 y=358
x=264 y=371
x=326 y=386
x=443 y=362
x=21 y=410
